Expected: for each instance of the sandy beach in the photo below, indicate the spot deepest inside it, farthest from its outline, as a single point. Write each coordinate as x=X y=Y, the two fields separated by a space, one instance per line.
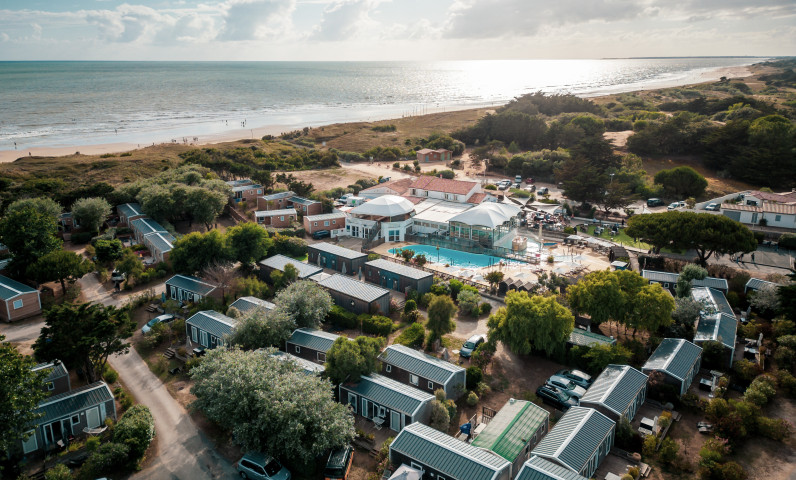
x=260 y=131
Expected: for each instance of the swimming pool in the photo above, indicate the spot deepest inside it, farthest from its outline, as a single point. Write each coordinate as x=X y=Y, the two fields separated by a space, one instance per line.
x=454 y=257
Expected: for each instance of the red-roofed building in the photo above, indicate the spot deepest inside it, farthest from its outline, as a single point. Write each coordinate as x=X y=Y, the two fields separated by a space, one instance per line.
x=444 y=189
x=393 y=187
x=757 y=198
x=428 y=155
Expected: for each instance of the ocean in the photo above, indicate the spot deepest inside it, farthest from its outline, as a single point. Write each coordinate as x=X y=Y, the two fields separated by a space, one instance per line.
x=52 y=104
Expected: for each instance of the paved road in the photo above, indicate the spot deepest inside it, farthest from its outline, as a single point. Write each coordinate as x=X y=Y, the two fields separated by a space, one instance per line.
x=183 y=451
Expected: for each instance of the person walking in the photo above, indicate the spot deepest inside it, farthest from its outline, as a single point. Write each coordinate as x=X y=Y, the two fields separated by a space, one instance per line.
x=753 y=257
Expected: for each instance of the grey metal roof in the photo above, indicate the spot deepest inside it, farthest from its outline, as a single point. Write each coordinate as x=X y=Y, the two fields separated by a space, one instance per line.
x=671 y=278
x=278 y=195
x=675 y=356
x=245 y=304
x=146 y=225
x=56 y=369
x=129 y=210
x=575 y=438
x=336 y=250
x=399 y=269
x=509 y=432
x=306 y=365
x=719 y=327
x=713 y=299
x=615 y=388
x=302 y=200
x=68 y=403
x=278 y=262
x=453 y=458
x=325 y=216
x=243 y=188
x=353 y=288
x=583 y=338
x=163 y=242
x=537 y=468
x=213 y=322
x=419 y=363
x=239 y=182
x=389 y=393
x=757 y=284
x=313 y=339
x=12 y=288
x=275 y=213
x=191 y=284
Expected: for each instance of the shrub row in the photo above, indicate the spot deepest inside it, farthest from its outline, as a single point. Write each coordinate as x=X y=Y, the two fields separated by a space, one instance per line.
x=413 y=336
x=376 y=325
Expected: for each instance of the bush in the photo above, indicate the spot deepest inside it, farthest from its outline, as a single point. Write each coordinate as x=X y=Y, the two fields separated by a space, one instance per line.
x=110 y=375
x=136 y=430
x=108 y=459
x=474 y=376
x=290 y=246
x=472 y=399
x=413 y=336
x=92 y=443
x=58 y=472
x=787 y=240
x=342 y=318
x=787 y=382
x=425 y=299
x=376 y=325
x=483 y=355
x=108 y=250
x=81 y=237
x=469 y=302
x=486 y=307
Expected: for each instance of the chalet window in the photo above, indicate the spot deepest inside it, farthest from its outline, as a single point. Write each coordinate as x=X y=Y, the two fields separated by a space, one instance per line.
x=259 y=192
x=413 y=379
x=314 y=224
x=326 y=223
x=17 y=304
x=778 y=218
x=75 y=420
x=388 y=368
x=298 y=349
x=334 y=222
x=282 y=218
x=431 y=385
x=321 y=357
x=50 y=386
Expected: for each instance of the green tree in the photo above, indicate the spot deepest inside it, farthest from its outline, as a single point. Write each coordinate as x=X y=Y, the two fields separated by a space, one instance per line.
x=272 y=406
x=20 y=393
x=157 y=202
x=707 y=234
x=439 y=418
x=600 y=356
x=248 y=242
x=84 y=336
x=129 y=264
x=682 y=182
x=58 y=472
x=528 y=324
x=582 y=181
x=108 y=250
x=598 y=294
x=440 y=310
x=29 y=234
x=205 y=205
x=470 y=302
x=690 y=273
x=652 y=309
x=45 y=205
x=494 y=277
x=196 y=251
x=262 y=328
x=347 y=360
x=306 y=302
x=91 y=212
x=136 y=430
x=222 y=274
x=60 y=265
x=617 y=196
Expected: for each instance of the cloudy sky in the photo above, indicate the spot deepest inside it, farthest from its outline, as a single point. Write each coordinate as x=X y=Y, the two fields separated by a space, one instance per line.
x=391 y=29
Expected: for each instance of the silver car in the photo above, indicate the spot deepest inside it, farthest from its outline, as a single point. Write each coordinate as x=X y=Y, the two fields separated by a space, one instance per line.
x=470 y=345
x=160 y=318
x=259 y=466
x=567 y=385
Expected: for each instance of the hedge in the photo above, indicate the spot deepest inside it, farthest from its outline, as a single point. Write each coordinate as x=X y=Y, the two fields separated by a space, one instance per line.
x=376 y=324
x=135 y=429
x=474 y=376
x=108 y=459
x=342 y=318
x=413 y=336
x=787 y=240
x=290 y=246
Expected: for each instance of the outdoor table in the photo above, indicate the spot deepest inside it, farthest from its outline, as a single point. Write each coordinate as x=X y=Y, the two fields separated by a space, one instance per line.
x=378 y=421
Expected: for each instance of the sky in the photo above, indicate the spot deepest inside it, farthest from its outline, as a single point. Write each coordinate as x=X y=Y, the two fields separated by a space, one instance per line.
x=392 y=29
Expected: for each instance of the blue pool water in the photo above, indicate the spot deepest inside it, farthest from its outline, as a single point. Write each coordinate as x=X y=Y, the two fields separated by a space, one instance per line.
x=453 y=258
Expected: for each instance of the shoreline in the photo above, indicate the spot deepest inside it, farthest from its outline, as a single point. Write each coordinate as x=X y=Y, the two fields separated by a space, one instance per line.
x=7 y=156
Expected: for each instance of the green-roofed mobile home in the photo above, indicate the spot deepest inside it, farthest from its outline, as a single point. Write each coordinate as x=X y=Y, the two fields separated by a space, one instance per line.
x=185 y=288
x=419 y=370
x=19 y=300
x=310 y=344
x=583 y=338
x=514 y=431
x=678 y=360
x=579 y=441
x=395 y=404
x=618 y=391
x=537 y=468
x=67 y=414
x=208 y=328
x=397 y=276
x=441 y=456
x=335 y=257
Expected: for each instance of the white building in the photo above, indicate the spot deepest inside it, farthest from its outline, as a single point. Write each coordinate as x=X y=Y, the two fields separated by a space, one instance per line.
x=389 y=217
x=771 y=214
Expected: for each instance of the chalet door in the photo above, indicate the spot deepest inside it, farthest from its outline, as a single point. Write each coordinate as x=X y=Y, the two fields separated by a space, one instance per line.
x=203 y=337
x=49 y=438
x=66 y=427
x=194 y=334
x=395 y=421
x=31 y=444
x=352 y=400
x=93 y=418
x=365 y=410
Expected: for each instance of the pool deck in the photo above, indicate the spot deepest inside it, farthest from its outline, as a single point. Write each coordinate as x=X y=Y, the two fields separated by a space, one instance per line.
x=569 y=261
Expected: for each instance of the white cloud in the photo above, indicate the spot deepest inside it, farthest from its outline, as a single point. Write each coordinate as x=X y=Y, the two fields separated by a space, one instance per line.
x=256 y=19
x=346 y=19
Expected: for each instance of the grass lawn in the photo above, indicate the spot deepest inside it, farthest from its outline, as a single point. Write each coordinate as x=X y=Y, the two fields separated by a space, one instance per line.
x=621 y=238
x=302 y=258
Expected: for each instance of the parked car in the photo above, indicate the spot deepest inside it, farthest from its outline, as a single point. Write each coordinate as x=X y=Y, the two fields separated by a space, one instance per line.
x=529 y=180
x=339 y=463
x=705 y=427
x=470 y=345
x=563 y=383
x=544 y=191
x=654 y=202
x=321 y=234
x=259 y=466
x=713 y=207
x=556 y=398
x=518 y=179
x=165 y=318
x=648 y=426
x=117 y=276
x=673 y=206
x=503 y=186
x=578 y=377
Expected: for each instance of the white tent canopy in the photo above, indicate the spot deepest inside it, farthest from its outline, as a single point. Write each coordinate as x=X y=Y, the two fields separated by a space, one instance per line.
x=546 y=207
x=487 y=214
x=385 y=206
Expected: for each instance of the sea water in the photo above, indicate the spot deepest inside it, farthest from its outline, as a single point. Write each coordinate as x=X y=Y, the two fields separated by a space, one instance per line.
x=81 y=103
